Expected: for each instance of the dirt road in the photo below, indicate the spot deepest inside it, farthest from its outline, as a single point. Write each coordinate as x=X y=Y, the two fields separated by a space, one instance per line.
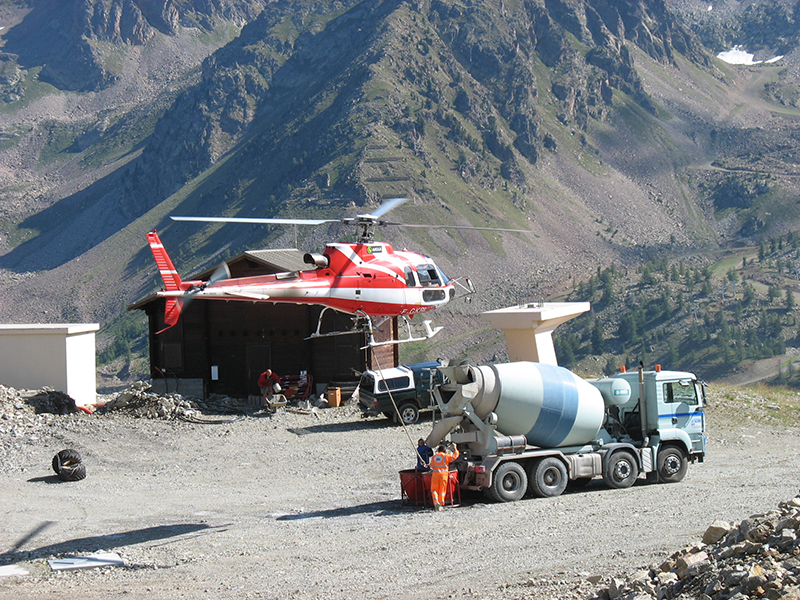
x=294 y=506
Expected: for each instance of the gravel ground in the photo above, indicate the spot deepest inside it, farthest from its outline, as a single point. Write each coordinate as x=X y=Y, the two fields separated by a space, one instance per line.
x=308 y=506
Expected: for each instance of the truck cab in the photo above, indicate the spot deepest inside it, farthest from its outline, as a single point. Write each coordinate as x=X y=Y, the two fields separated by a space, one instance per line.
x=674 y=413
x=409 y=386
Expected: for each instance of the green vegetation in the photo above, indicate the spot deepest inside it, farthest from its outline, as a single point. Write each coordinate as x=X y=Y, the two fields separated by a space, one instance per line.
x=769 y=405
x=60 y=142
x=707 y=314
x=128 y=338
x=14 y=234
x=32 y=89
x=11 y=135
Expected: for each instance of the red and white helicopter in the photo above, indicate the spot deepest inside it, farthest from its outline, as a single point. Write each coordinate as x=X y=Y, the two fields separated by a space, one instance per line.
x=367 y=279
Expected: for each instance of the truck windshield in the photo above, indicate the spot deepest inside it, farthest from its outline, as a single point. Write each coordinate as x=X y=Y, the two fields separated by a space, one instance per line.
x=680 y=391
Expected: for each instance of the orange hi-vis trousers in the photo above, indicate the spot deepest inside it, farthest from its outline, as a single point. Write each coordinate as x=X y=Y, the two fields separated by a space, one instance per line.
x=441 y=475
x=439 y=481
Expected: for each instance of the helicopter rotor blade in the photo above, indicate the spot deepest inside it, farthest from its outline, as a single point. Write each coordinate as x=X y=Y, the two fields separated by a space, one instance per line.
x=256 y=220
x=426 y=226
x=220 y=273
x=390 y=204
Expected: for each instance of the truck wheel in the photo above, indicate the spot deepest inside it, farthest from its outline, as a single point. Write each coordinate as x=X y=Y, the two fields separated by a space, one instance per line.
x=620 y=470
x=509 y=483
x=408 y=414
x=672 y=464
x=547 y=477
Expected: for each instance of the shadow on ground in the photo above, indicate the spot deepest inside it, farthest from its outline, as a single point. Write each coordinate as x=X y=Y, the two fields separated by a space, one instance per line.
x=105 y=542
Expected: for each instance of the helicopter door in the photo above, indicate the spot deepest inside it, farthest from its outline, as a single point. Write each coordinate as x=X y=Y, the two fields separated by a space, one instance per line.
x=368 y=287
x=412 y=295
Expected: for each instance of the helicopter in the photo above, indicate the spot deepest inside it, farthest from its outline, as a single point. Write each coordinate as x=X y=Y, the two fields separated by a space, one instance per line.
x=367 y=279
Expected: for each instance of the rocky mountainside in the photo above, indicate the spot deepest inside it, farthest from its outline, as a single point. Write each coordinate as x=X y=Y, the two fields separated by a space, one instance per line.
x=70 y=43
x=609 y=130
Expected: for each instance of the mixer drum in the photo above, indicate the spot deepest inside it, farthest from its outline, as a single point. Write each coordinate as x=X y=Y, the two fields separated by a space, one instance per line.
x=551 y=406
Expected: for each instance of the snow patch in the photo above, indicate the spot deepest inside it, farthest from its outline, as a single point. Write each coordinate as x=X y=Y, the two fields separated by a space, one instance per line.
x=737 y=56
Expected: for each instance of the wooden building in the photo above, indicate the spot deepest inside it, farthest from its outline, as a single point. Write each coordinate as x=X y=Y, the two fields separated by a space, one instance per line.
x=221 y=347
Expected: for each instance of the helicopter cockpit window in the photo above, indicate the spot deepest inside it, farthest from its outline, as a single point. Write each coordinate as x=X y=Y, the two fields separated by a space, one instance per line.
x=410 y=280
x=428 y=275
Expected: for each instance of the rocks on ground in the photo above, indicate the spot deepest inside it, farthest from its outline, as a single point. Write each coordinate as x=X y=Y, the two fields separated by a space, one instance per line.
x=758 y=557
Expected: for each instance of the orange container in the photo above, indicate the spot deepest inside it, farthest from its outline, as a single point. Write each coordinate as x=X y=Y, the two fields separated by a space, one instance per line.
x=334 y=396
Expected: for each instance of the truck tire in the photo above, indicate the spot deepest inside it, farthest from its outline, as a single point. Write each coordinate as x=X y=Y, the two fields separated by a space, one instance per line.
x=620 y=470
x=547 y=477
x=509 y=483
x=672 y=464
x=408 y=413
x=66 y=458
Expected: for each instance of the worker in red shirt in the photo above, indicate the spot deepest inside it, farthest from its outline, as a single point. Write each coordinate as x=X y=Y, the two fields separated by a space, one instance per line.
x=440 y=465
x=270 y=384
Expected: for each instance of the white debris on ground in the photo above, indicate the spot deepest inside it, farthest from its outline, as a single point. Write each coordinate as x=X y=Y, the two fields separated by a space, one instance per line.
x=24 y=411
x=139 y=401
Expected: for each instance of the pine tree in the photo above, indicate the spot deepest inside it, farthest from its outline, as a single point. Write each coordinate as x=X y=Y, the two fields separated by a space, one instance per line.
x=598 y=341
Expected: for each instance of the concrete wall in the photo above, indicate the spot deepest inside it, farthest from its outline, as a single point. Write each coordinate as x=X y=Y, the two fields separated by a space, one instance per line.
x=60 y=356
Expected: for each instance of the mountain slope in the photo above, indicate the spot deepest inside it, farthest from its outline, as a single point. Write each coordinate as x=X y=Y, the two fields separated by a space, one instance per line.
x=606 y=129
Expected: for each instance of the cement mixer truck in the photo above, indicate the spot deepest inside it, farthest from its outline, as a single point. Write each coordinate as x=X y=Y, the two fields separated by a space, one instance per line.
x=533 y=428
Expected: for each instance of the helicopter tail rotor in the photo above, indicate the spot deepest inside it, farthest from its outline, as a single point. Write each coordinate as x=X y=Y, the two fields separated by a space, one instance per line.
x=179 y=296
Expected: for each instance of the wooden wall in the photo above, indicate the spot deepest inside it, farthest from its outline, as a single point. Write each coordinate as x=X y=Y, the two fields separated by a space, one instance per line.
x=242 y=339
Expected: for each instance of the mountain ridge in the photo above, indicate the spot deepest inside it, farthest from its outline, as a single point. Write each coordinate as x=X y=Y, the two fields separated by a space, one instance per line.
x=597 y=126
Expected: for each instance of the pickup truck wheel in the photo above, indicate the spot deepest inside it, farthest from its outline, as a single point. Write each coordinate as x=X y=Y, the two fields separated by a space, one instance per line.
x=509 y=483
x=547 y=477
x=620 y=470
x=672 y=464
x=407 y=413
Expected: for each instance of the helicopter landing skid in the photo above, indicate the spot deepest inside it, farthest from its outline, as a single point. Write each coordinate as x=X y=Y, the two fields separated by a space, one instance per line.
x=358 y=325
x=429 y=333
x=363 y=323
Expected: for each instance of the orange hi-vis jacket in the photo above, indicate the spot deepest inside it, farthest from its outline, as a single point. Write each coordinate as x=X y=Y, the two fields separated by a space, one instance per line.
x=440 y=462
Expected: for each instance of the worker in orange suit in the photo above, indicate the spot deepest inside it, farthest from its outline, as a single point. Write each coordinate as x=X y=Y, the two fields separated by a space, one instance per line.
x=440 y=465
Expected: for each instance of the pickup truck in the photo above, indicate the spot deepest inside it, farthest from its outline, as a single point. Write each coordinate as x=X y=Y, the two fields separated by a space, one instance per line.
x=409 y=385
